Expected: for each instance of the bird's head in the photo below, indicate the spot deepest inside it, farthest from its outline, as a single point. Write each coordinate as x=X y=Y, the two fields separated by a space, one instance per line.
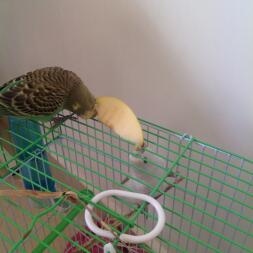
x=81 y=102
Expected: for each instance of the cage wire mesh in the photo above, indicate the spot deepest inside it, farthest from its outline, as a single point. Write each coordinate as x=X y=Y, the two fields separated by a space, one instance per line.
x=208 y=210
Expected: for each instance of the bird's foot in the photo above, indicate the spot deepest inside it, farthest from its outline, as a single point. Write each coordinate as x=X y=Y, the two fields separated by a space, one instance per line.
x=61 y=119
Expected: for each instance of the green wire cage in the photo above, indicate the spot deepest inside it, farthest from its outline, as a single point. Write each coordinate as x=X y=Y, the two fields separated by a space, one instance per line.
x=208 y=202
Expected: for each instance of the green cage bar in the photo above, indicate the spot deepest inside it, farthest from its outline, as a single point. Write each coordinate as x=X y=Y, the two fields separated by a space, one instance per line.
x=209 y=210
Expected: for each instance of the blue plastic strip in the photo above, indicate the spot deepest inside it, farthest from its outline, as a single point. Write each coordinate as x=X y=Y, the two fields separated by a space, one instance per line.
x=31 y=131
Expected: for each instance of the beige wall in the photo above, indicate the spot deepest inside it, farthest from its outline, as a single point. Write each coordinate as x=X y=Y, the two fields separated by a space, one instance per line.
x=184 y=64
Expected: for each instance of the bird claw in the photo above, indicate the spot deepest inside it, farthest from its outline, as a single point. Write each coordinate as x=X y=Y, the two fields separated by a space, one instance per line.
x=61 y=119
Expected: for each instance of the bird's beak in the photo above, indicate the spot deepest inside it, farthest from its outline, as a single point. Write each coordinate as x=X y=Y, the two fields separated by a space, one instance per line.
x=89 y=114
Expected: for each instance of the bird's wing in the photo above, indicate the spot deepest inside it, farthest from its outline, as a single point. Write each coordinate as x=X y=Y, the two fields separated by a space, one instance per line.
x=26 y=96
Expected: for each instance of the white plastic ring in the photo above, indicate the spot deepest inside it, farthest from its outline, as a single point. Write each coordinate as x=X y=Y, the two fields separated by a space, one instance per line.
x=126 y=237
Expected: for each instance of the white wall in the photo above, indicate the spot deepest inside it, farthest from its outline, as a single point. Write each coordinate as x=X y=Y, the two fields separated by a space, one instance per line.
x=184 y=64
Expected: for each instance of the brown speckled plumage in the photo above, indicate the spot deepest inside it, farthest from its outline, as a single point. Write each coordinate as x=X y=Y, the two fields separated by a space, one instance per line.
x=44 y=92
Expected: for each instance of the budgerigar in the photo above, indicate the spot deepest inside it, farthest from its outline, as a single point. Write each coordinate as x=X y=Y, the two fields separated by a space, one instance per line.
x=43 y=93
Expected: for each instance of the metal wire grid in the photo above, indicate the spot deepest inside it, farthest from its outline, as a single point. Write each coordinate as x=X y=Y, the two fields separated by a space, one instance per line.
x=209 y=211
